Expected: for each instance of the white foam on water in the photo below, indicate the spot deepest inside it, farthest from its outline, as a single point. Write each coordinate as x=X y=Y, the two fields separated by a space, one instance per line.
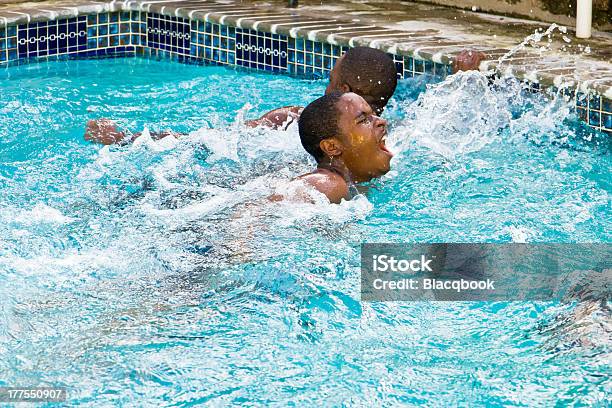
x=303 y=202
x=223 y=145
x=520 y=234
x=72 y=263
x=220 y=199
x=39 y=214
x=322 y=214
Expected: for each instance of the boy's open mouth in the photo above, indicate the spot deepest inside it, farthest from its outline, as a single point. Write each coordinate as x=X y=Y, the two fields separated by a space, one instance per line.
x=382 y=145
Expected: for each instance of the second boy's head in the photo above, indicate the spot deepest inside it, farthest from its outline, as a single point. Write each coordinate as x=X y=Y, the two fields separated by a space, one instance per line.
x=368 y=72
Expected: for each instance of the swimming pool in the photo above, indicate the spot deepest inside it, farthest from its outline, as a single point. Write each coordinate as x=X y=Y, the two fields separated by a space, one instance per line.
x=159 y=272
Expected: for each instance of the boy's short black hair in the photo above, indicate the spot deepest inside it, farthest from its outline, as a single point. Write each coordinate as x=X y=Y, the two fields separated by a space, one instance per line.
x=368 y=71
x=319 y=121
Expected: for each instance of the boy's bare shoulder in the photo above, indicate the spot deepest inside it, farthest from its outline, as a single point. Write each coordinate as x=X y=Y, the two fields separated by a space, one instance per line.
x=331 y=184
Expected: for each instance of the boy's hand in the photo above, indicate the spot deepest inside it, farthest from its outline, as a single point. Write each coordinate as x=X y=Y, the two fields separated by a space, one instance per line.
x=103 y=131
x=468 y=60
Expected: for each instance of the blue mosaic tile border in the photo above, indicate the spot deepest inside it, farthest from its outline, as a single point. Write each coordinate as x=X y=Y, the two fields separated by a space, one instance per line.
x=8 y=44
x=311 y=58
x=153 y=35
x=213 y=42
x=117 y=29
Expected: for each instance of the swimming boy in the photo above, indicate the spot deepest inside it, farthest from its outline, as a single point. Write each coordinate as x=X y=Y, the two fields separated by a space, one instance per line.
x=347 y=139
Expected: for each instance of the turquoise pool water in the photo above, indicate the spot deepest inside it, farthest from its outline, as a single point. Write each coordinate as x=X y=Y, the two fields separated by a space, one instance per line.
x=159 y=273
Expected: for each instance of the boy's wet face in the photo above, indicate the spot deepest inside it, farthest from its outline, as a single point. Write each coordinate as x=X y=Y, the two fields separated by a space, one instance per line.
x=362 y=137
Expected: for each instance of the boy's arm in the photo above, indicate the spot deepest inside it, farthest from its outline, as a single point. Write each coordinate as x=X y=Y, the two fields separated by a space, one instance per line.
x=105 y=131
x=276 y=118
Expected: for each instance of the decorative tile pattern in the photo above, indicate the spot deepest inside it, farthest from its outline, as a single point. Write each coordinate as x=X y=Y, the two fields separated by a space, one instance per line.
x=595 y=113
x=66 y=36
x=442 y=70
x=167 y=33
x=259 y=50
x=213 y=42
x=312 y=58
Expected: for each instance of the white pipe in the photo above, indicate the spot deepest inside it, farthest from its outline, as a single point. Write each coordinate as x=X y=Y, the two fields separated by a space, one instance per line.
x=584 y=18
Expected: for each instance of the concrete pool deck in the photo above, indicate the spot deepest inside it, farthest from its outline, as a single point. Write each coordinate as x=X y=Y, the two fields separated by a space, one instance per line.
x=425 y=32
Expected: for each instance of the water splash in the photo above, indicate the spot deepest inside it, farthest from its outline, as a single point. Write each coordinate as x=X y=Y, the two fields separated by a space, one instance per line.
x=468 y=111
x=458 y=116
x=533 y=40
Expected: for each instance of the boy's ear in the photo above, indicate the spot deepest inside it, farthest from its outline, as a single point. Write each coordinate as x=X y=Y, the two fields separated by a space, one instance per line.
x=331 y=147
x=345 y=88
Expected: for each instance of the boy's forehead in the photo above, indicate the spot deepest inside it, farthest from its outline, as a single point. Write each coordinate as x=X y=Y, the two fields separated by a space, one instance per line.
x=352 y=103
